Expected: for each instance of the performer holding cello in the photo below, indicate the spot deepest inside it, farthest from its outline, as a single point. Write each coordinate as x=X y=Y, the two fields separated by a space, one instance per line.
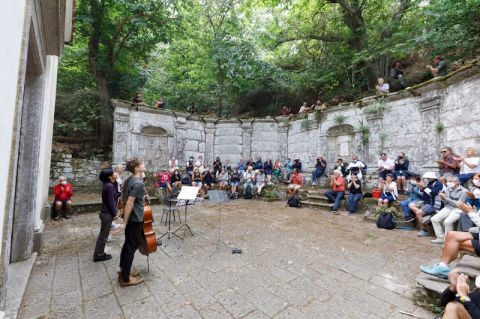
x=133 y=197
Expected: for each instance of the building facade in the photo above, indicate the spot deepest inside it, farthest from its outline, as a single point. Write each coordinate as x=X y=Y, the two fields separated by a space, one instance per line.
x=33 y=35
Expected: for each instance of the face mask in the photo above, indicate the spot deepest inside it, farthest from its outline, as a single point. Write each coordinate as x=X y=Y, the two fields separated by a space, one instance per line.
x=476 y=182
x=413 y=183
x=450 y=184
x=64 y=183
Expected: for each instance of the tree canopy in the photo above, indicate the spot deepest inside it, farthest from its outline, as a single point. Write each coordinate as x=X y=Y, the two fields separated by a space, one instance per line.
x=239 y=56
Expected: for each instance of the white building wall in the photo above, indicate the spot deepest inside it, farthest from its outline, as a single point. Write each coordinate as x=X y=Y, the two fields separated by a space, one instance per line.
x=50 y=90
x=12 y=15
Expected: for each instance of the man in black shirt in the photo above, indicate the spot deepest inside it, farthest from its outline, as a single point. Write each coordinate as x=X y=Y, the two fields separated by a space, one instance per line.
x=133 y=196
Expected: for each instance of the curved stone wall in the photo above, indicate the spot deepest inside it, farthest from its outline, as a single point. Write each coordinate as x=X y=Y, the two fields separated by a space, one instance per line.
x=418 y=121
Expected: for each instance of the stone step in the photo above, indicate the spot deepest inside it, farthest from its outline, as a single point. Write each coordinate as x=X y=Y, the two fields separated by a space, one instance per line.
x=469 y=265
x=311 y=204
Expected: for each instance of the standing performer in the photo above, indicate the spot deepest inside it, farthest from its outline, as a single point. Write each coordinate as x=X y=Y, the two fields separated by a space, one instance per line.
x=108 y=212
x=133 y=195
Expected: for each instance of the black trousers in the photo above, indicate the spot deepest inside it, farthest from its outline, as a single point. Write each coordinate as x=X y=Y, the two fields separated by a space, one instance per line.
x=133 y=238
x=105 y=226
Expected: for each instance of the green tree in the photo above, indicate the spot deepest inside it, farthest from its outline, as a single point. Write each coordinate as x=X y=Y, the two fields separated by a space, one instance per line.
x=120 y=35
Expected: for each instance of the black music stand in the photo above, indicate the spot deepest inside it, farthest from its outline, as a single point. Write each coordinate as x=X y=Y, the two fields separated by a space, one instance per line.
x=218 y=197
x=187 y=196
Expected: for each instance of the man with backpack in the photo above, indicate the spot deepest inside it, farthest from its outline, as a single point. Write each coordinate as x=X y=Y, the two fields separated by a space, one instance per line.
x=249 y=180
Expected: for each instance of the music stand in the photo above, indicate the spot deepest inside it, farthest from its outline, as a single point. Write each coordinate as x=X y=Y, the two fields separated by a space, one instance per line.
x=218 y=197
x=187 y=196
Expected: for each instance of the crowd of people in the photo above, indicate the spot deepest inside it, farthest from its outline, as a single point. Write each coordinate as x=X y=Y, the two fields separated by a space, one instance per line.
x=397 y=75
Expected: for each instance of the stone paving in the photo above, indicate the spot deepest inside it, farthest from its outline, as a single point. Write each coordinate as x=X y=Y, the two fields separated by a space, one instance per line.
x=296 y=263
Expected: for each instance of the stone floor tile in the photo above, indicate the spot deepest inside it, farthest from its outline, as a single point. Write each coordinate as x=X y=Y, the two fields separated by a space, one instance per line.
x=126 y=295
x=200 y=298
x=215 y=311
x=257 y=314
x=290 y=313
x=105 y=307
x=265 y=301
x=234 y=303
x=145 y=308
x=185 y=312
x=68 y=313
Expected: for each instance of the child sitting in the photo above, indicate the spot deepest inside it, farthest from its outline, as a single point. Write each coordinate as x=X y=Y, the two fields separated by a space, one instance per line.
x=390 y=192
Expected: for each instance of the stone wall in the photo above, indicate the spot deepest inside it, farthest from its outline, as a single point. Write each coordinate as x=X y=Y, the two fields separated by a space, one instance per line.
x=82 y=173
x=418 y=121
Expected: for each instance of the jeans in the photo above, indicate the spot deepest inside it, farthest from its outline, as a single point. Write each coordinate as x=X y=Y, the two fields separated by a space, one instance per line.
x=335 y=198
x=317 y=174
x=105 y=226
x=405 y=209
x=133 y=238
x=353 y=201
x=464 y=178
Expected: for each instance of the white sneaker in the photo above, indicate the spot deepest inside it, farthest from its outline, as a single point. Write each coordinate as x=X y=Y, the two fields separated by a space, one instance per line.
x=115 y=225
x=110 y=238
x=437 y=241
x=314 y=183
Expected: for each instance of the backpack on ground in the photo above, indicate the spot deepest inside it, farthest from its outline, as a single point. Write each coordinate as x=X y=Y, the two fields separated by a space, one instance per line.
x=386 y=221
x=293 y=202
x=248 y=194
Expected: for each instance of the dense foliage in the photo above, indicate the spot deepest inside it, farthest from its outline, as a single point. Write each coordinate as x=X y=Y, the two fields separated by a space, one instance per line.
x=238 y=56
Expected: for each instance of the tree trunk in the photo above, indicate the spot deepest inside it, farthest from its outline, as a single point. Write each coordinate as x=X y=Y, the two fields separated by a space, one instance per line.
x=101 y=78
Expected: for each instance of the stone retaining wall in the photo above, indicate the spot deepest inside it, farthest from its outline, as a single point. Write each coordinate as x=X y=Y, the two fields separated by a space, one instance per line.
x=418 y=121
x=82 y=173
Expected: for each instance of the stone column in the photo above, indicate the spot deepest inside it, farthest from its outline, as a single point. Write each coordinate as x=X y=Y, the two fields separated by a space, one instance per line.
x=430 y=140
x=247 y=140
x=46 y=134
x=121 y=125
x=181 y=128
x=209 y=143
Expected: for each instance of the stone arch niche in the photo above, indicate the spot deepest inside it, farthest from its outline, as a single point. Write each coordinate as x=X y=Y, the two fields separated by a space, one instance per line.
x=340 y=139
x=153 y=146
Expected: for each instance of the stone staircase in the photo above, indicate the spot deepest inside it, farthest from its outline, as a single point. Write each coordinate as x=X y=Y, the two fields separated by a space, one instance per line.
x=313 y=198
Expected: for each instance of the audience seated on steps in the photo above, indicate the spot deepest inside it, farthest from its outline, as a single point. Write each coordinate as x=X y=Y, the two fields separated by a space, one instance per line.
x=260 y=180
x=401 y=172
x=336 y=194
x=354 y=187
x=295 y=183
x=457 y=299
x=268 y=169
x=414 y=197
x=385 y=166
x=469 y=165
x=249 y=177
x=450 y=213
x=456 y=242
x=355 y=167
x=223 y=179
x=389 y=192
x=319 y=170
x=235 y=182
x=430 y=189
x=448 y=163
x=341 y=166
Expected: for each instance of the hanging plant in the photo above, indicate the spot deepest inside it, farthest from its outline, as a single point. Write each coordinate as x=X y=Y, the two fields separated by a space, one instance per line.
x=439 y=127
x=339 y=119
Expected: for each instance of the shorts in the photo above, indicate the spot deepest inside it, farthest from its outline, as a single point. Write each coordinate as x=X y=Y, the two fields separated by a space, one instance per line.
x=235 y=183
x=163 y=185
x=388 y=197
x=294 y=187
x=401 y=173
x=383 y=174
x=428 y=210
x=197 y=183
x=476 y=243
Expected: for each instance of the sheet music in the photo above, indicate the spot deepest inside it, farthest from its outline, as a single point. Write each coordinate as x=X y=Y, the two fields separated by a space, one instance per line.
x=188 y=193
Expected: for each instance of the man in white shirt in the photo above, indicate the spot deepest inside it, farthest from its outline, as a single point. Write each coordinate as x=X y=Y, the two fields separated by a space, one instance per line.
x=355 y=167
x=385 y=166
x=382 y=87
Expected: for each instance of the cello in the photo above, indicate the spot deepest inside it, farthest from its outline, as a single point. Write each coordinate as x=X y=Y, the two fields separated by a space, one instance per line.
x=149 y=242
